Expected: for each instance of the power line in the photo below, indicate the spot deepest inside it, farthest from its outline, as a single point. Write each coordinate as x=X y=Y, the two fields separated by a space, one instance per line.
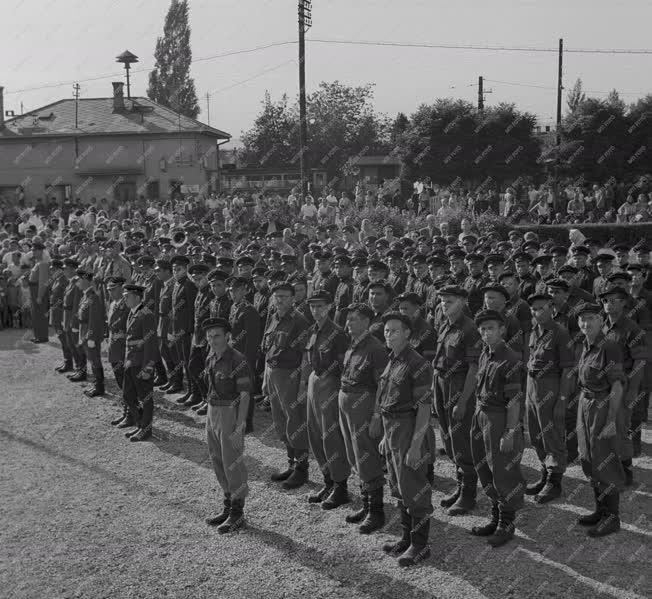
x=588 y=91
x=278 y=66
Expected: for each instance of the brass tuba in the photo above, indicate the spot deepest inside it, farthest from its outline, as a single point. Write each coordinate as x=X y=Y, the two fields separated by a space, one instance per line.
x=178 y=238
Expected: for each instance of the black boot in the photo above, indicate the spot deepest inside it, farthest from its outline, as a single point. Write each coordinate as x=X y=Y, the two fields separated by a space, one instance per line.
x=128 y=421
x=593 y=518
x=361 y=514
x=285 y=474
x=610 y=521
x=324 y=491
x=636 y=437
x=449 y=500
x=161 y=381
x=403 y=543
x=236 y=517
x=552 y=488
x=490 y=528
x=174 y=387
x=78 y=376
x=134 y=432
x=466 y=501
x=375 y=518
x=505 y=531
x=299 y=476
x=142 y=435
x=629 y=472
x=194 y=399
x=221 y=518
x=98 y=387
x=121 y=419
x=202 y=409
x=65 y=367
x=537 y=487
x=186 y=396
x=339 y=496
x=419 y=549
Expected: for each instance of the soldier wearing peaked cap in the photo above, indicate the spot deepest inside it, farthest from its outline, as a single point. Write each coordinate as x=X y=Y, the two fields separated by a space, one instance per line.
x=246 y=332
x=166 y=349
x=140 y=357
x=229 y=385
x=71 y=299
x=220 y=306
x=91 y=329
x=152 y=299
x=320 y=381
x=324 y=279
x=496 y=434
x=117 y=326
x=58 y=284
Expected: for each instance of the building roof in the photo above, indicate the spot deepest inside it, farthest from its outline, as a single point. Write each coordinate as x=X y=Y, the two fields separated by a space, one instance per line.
x=376 y=161
x=96 y=116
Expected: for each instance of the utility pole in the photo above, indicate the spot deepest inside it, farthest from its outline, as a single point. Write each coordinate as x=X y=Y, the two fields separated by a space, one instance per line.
x=305 y=22
x=560 y=87
x=208 y=108
x=480 y=95
x=75 y=94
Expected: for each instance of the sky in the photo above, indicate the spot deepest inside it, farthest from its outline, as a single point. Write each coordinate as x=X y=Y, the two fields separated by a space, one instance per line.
x=50 y=44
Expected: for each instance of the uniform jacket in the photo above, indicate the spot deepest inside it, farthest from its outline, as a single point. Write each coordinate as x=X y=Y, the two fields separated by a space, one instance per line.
x=118 y=314
x=57 y=292
x=142 y=346
x=246 y=331
x=202 y=311
x=71 y=298
x=165 y=308
x=91 y=317
x=182 y=317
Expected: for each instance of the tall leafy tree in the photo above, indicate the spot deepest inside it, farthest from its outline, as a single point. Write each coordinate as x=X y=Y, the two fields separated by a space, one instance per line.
x=170 y=83
x=575 y=96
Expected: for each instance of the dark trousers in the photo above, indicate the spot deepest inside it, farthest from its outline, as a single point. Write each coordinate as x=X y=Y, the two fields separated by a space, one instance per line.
x=95 y=358
x=77 y=350
x=118 y=372
x=65 y=347
x=169 y=358
x=138 y=395
x=39 y=315
x=182 y=350
x=196 y=366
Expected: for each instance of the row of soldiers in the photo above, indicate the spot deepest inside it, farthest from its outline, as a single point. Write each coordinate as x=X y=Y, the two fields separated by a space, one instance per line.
x=318 y=348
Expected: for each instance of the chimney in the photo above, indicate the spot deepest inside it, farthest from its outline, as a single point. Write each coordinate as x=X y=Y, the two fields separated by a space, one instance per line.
x=118 y=96
x=2 y=107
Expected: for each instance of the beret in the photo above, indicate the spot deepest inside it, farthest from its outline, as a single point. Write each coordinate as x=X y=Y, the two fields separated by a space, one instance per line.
x=588 y=308
x=364 y=309
x=494 y=259
x=487 y=315
x=343 y=259
x=453 y=290
x=163 y=264
x=397 y=316
x=558 y=284
x=538 y=296
x=580 y=249
x=146 y=261
x=617 y=276
x=437 y=261
x=245 y=260
x=615 y=290
x=259 y=271
x=497 y=288
x=543 y=259
x=604 y=257
x=283 y=286
x=199 y=269
x=225 y=261
x=568 y=268
x=320 y=296
x=213 y=323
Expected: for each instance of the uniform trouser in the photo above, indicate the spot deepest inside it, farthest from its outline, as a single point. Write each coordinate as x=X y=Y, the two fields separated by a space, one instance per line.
x=362 y=452
x=499 y=473
x=288 y=409
x=168 y=356
x=411 y=486
x=118 y=372
x=77 y=350
x=455 y=435
x=65 y=346
x=196 y=366
x=627 y=410
x=225 y=448
x=547 y=430
x=39 y=316
x=600 y=458
x=182 y=350
x=135 y=391
x=95 y=358
x=324 y=432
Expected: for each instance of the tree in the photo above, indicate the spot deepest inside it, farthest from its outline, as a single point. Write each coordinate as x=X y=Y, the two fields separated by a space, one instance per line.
x=398 y=127
x=170 y=83
x=613 y=100
x=575 y=96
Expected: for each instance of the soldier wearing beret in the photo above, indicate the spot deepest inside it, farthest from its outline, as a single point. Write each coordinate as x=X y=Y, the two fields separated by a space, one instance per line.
x=320 y=381
x=284 y=342
x=229 y=384
x=141 y=354
x=549 y=385
x=621 y=329
x=364 y=362
x=71 y=299
x=455 y=366
x=220 y=306
x=601 y=379
x=182 y=320
x=246 y=331
x=408 y=443
x=57 y=286
x=198 y=347
x=91 y=329
x=117 y=325
x=422 y=339
x=496 y=433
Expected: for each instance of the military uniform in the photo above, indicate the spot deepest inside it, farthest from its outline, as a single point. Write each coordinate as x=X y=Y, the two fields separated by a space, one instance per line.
x=473 y=285
x=117 y=324
x=182 y=322
x=140 y=357
x=422 y=339
x=71 y=299
x=220 y=307
x=152 y=300
x=57 y=311
x=198 y=347
x=324 y=358
x=498 y=384
x=458 y=346
x=167 y=350
x=342 y=299
x=91 y=333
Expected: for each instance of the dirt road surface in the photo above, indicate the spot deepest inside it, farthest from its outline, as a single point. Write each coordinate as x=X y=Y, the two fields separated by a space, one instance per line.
x=87 y=514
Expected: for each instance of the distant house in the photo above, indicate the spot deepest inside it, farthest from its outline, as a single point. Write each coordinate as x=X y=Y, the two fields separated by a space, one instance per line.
x=372 y=170
x=114 y=148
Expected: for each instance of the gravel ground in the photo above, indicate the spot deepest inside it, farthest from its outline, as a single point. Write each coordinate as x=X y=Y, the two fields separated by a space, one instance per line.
x=85 y=513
